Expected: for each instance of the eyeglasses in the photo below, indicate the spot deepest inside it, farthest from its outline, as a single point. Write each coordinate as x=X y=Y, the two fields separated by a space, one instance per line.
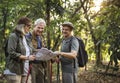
x=28 y=25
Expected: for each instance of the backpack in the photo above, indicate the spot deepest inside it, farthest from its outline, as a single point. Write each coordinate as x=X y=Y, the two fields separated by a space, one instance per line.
x=82 y=56
x=6 y=45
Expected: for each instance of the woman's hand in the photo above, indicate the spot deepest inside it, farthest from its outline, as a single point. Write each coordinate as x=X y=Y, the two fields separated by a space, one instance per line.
x=31 y=57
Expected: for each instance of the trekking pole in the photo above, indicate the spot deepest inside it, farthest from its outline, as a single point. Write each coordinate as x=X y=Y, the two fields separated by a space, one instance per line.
x=85 y=67
x=50 y=72
x=30 y=67
x=74 y=77
x=58 y=71
x=44 y=75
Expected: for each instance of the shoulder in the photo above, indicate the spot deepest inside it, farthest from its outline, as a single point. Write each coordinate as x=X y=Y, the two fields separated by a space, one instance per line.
x=74 y=40
x=13 y=35
x=29 y=35
x=13 y=38
x=74 y=44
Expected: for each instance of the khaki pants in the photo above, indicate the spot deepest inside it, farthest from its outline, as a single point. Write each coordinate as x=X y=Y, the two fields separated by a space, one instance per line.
x=17 y=79
x=38 y=73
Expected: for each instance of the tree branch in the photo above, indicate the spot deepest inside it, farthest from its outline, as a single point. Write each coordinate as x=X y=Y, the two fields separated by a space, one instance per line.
x=77 y=9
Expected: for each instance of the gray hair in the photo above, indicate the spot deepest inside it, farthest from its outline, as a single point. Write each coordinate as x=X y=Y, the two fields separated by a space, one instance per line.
x=40 y=20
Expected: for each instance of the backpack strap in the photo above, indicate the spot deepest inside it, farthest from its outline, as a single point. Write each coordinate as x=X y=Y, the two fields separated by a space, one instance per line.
x=74 y=63
x=70 y=50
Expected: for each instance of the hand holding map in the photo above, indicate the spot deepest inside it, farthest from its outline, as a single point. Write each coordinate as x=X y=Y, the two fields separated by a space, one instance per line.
x=44 y=54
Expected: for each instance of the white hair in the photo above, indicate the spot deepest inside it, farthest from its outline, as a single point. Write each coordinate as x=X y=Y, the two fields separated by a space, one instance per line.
x=40 y=20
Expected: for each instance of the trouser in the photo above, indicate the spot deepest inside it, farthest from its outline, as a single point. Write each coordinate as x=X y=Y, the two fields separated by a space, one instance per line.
x=69 y=77
x=17 y=79
x=38 y=73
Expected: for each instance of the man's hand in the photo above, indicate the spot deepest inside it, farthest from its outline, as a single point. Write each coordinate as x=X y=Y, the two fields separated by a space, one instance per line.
x=57 y=52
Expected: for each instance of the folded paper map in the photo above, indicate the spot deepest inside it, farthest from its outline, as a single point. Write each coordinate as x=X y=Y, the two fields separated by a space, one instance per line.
x=44 y=54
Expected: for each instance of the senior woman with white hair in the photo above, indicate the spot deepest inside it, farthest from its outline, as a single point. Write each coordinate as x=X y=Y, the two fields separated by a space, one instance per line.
x=38 y=67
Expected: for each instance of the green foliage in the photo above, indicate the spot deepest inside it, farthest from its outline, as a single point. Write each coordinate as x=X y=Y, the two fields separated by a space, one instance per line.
x=95 y=28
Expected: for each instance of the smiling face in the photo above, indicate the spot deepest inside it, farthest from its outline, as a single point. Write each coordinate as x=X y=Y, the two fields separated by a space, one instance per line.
x=66 y=31
x=39 y=28
x=27 y=28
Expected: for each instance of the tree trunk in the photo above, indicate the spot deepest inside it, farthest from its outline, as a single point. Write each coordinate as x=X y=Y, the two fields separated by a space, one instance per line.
x=48 y=22
x=5 y=13
x=49 y=65
x=96 y=47
x=98 y=54
x=3 y=34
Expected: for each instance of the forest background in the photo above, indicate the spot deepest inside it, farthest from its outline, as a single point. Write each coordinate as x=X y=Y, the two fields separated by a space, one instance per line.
x=97 y=22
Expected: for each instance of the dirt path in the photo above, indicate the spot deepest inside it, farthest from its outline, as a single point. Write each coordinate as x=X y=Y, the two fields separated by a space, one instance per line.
x=90 y=76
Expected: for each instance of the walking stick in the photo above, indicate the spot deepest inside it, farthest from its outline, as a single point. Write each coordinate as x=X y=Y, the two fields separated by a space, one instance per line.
x=74 y=77
x=30 y=67
x=58 y=71
x=50 y=72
